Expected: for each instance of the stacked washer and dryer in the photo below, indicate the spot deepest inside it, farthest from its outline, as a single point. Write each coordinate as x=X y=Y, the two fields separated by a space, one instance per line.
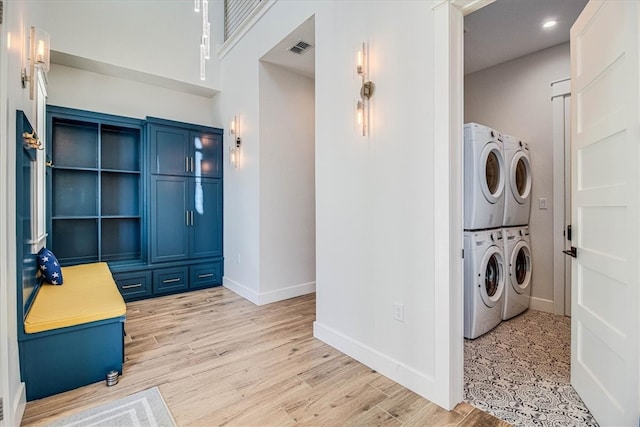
x=497 y=253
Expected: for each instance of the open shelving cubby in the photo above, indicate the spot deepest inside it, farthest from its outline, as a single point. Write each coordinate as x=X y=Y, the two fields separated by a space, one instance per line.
x=96 y=187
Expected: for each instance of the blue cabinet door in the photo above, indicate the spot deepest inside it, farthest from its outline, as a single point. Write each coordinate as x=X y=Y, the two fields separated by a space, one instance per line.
x=170 y=150
x=206 y=226
x=207 y=154
x=170 y=219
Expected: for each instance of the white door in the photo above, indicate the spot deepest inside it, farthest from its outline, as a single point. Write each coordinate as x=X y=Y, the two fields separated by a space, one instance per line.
x=605 y=186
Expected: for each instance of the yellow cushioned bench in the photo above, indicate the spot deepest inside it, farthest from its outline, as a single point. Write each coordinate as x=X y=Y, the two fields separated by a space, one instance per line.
x=88 y=294
x=74 y=333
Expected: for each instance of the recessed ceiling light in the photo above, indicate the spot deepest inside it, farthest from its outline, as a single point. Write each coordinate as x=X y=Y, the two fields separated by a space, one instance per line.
x=550 y=23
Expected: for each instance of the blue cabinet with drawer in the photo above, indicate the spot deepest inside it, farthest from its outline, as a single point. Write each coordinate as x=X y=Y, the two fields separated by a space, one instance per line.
x=185 y=202
x=144 y=195
x=171 y=279
x=205 y=275
x=134 y=284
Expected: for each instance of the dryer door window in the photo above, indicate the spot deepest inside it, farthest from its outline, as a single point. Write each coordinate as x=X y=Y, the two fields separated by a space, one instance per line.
x=492 y=172
x=520 y=177
x=520 y=267
x=491 y=276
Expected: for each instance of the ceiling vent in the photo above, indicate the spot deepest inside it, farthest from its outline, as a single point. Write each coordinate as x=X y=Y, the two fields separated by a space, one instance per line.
x=300 y=47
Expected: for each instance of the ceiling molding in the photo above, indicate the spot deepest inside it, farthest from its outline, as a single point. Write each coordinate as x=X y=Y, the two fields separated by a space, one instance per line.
x=470 y=6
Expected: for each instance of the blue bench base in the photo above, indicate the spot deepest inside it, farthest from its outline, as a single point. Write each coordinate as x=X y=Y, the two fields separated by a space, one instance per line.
x=59 y=360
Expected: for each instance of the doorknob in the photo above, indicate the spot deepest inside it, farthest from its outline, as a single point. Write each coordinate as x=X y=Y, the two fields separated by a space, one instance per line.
x=573 y=252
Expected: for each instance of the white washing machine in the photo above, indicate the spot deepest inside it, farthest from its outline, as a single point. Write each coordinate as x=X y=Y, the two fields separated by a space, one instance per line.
x=517 y=193
x=517 y=255
x=484 y=281
x=484 y=178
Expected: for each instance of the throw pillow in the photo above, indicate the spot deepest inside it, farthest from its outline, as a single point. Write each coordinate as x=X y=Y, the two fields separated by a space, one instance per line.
x=49 y=267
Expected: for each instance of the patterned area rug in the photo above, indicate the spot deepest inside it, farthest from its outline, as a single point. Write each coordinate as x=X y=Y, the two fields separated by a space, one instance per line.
x=519 y=372
x=143 y=409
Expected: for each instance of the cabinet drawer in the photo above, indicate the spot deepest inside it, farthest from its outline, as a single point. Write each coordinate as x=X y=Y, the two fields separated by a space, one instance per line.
x=135 y=284
x=204 y=275
x=169 y=280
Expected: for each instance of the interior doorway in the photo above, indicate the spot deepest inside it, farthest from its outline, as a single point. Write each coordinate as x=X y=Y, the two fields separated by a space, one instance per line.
x=287 y=165
x=513 y=95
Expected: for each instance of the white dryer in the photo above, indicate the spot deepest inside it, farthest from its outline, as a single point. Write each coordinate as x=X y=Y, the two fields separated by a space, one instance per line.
x=484 y=178
x=484 y=281
x=517 y=255
x=517 y=194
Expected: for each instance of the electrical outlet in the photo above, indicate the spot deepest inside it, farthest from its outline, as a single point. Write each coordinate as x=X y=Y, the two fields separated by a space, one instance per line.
x=398 y=312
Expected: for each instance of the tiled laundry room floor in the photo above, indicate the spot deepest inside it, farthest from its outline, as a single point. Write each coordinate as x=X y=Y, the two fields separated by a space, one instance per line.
x=519 y=372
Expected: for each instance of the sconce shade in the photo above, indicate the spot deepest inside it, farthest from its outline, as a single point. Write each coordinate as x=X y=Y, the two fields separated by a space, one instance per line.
x=40 y=48
x=360 y=113
x=38 y=57
x=234 y=151
x=366 y=91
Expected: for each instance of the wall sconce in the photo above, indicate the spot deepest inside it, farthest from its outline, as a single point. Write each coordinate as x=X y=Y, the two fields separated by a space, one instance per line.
x=234 y=152
x=366 y=90
x=39 y=47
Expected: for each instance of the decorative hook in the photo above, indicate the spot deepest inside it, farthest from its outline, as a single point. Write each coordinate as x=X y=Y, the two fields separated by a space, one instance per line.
x=31 y=140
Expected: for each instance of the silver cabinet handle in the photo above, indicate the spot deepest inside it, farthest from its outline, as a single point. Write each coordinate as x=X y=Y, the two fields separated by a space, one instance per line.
x=171 y=280
x=186 y=218
x=202 y=276
x=186 y=164
x=137 y=285
x=191 y=217
x=193 y=168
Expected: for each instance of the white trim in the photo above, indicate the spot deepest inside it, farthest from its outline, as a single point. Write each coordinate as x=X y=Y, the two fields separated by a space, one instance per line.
x=448 y=205
x=541 y=304
x=244 y=28
x=401 y=373
x=19 y=403
x=262 y=298
x=286 y=293
x=470 y=6
x=559 y=90
x=242 y=290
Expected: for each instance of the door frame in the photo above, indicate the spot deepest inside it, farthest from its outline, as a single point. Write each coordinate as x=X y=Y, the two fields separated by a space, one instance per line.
x=560 y=91
x=448 y=102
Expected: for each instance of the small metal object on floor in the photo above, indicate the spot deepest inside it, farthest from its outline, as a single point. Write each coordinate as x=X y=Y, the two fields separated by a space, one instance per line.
x=112 y=378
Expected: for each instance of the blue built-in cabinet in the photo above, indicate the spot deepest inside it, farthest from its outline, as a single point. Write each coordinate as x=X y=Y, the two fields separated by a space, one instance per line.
x=143 y=195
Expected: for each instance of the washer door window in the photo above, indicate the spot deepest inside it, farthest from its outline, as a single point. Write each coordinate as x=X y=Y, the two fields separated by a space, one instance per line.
x=491 y=276
x=491 y=172
x=520 y=272
x=520 y=177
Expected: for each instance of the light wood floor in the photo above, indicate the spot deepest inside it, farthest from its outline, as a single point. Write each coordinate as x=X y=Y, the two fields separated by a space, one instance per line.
x=220 y=360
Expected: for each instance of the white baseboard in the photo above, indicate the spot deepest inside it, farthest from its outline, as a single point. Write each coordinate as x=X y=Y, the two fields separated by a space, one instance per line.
x=241 y=290
x=416 y=381
x=541 y=304
x=262 y=298
x=19 y=404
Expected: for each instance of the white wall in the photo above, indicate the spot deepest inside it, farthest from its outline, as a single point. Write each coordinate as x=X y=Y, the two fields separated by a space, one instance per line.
x=374 y=195
x=287 y=184
x=240 y=77
x=85 y=90
x=375 y=215
x=515 y=98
